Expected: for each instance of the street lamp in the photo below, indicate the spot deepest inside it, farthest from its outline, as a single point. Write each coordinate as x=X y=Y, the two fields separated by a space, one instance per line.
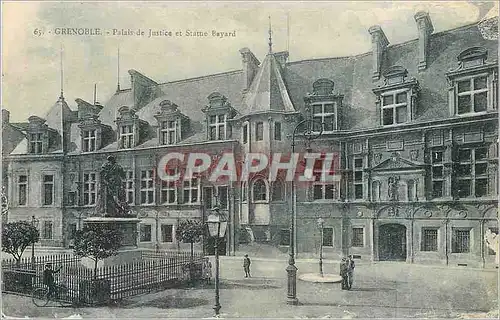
x=321 y=223
x=34 y=223
x=291 y=270
x=217 y=225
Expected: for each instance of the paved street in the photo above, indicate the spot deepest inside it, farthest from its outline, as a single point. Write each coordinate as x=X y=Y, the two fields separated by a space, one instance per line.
x=380 y=290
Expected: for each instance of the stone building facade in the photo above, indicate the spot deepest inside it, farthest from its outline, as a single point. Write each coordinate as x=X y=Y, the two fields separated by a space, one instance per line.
x=415 y=126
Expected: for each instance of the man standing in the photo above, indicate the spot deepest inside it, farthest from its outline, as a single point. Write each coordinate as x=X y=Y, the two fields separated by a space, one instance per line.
x=48 y=278
x=343 y=273
x=246 y=266
x=350 y=270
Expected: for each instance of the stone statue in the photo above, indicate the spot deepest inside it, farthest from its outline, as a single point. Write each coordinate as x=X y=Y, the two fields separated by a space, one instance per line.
x=491 y=240
x=112 y=197
x=392 y=189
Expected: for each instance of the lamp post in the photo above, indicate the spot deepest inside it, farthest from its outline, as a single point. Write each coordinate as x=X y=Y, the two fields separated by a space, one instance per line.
x=34 y=223
x=291 y=270
x=217 y=225
x=321 y=223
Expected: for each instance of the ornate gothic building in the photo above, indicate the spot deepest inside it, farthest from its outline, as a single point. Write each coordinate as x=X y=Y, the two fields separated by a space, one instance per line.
x=415 y=126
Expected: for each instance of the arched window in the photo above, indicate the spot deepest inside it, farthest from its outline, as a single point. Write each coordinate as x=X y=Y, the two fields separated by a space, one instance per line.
x=259 y=190
x=278 y=191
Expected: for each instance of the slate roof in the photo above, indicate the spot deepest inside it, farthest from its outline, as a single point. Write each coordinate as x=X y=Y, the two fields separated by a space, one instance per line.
x=283 y=90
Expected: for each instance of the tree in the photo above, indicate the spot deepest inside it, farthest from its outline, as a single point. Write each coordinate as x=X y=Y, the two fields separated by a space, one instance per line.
x=16 y=236
x=190 y=231
x=97 y=242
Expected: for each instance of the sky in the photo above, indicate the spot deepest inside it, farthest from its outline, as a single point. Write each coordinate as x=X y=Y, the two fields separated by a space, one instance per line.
x=31 y=62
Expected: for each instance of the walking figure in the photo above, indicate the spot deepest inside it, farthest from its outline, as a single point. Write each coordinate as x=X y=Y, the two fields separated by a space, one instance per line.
x=207 y=269
x=48 y=278
x=350 y=271
x=246 y=266
x=344 y=274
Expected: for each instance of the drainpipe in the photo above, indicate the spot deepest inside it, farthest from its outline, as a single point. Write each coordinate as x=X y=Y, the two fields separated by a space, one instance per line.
x=482 y=243
x=446 y=241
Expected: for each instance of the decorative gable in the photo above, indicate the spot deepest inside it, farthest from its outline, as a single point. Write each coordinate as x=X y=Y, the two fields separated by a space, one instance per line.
x=323 y=106
x=395 y=163
x=91 y=128
x=218 y=112
x=173 y=125
x=396 y=100
x=38 y=133
x=131 y=129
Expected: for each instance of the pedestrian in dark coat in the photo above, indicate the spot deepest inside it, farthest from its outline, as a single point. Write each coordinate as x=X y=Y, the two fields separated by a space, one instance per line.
x=343 y=274
x=246 y=266
x=350 y=270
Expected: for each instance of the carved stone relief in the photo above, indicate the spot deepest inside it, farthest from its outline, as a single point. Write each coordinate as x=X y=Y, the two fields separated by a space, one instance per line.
x=392 y=189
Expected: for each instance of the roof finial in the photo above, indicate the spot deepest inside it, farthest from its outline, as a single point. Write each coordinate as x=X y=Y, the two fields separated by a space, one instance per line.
x=62 y=75
x=118 y=71
x=270 y=37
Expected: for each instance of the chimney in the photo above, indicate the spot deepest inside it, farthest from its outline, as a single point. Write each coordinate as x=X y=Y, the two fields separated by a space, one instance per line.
x=425 y=29
x=281 y=57
x=250 y=67
x=5 y=116
x=379 y=43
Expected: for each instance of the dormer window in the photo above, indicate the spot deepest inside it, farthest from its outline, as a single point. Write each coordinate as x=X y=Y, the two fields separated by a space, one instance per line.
x=126 y=136
x=130 y=128
x=172 y=124
x=38 y=135
x=90 y=126
x=36 y=143
x=323 y=106
x=217 y=127
x=218 y=112
x=397 y=98
x=473 y=85
x=89 y=137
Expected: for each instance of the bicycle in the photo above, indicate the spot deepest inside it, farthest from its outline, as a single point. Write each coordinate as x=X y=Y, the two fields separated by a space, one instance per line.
x=40 y=296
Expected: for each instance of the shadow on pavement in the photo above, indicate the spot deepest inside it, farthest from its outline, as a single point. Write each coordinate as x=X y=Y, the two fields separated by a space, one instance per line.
x=372 y=289
x=172 y=302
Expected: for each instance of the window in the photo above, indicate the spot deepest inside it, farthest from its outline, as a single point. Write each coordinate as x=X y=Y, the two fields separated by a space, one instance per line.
x=411 y=190
x=167 y=233
x=429 y=239
x=71 y=231
x=147 y=187
x=358 y=178
x=471 y=172
x=277 y=131
x=490 y=251
x=222 y=194
x=245 y=133
x=145 y=232
x=217 y=127
x=89 y=140
x=22 y=190
x=324 y=113
x=259 y=190
x=284 y=237
x=208 y=198
x=36 y=140
x=127 y=136
x=192 y=190
x=437 y=173
x=168 y=132
x=278 y=191
x=259 y=131
x=394 y=108
x=129 y=186
x=323 y=191
x=472 y=95
x=47 y=230
x=376 y=190
x=328 y=237
x=48 y=190
x=358 y=237
x=460 y=240
x=89 y=189
x=168 y=192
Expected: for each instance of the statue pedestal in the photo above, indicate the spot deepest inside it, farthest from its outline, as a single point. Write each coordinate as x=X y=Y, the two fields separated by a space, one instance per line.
x=129 y=252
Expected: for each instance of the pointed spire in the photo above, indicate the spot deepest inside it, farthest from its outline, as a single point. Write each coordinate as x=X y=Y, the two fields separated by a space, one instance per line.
x=62 y=75
x=270 y=37
x=95 y=93
x=118 y=71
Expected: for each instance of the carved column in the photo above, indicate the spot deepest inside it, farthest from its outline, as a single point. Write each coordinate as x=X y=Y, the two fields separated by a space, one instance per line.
x=448 y=169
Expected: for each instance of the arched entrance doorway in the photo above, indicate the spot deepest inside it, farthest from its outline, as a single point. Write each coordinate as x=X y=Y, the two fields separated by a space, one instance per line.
x=392 y=242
